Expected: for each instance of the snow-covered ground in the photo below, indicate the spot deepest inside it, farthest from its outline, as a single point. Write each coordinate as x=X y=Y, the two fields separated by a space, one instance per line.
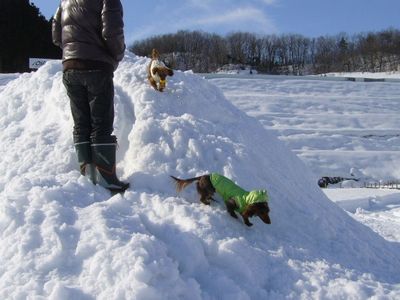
x=63 y=238
x=376 y=208
x=332 y=126
x=385 y=75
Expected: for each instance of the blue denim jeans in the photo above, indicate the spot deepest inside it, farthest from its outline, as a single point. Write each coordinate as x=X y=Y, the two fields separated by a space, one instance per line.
x=91 y=94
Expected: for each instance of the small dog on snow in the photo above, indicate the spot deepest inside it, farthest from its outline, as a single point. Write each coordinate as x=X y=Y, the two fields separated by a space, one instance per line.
x=247 y=204
x=157 y=72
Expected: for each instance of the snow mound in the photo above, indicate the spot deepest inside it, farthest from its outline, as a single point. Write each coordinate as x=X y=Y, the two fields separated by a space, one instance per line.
x=63 y=238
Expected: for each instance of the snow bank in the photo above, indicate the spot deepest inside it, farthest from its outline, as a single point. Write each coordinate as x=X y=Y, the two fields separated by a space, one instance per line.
x=63 y=238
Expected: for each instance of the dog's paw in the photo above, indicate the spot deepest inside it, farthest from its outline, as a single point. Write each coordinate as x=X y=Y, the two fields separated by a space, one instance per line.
x=234 y=215
x=248 y=224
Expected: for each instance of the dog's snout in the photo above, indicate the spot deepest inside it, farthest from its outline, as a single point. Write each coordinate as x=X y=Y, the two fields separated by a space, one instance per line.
x=266 y=219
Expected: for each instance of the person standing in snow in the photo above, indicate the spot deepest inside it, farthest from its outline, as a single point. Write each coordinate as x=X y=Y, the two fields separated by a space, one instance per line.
x=91 y=35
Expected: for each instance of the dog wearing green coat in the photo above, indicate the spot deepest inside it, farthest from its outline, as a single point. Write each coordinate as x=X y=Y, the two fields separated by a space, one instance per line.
x=236 y=199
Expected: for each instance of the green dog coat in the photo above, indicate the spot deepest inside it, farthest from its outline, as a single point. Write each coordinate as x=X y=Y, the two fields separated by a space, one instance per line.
x=228 y=189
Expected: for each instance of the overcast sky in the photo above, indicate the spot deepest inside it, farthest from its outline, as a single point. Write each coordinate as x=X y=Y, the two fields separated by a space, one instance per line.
x=310 y=18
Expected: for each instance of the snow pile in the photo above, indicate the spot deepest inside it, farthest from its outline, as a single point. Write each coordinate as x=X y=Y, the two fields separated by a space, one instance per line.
x=63 y=238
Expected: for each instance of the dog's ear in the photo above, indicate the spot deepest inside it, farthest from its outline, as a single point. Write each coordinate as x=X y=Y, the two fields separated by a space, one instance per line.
x=162 y=72
x=250 y=211
x=155 y=54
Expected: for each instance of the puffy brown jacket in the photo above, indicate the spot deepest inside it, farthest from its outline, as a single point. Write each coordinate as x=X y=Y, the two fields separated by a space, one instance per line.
x=90 y=30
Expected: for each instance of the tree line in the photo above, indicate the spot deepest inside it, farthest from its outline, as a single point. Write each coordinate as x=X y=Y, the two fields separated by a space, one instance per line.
x=24 y=33
x=277 y=54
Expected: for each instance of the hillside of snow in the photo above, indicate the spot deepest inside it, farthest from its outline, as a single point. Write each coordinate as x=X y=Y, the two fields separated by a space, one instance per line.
x=63 y=238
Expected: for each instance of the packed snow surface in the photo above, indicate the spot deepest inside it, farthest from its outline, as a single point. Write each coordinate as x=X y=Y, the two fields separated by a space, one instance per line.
x=63 y=238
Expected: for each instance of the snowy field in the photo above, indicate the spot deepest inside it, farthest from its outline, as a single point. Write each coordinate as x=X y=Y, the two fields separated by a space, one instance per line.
x=377 y=75
x=63 y=238
x=334 y=126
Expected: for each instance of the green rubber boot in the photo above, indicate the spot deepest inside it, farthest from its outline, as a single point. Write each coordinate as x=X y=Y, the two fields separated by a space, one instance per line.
x=84 y=152
x=103 y=155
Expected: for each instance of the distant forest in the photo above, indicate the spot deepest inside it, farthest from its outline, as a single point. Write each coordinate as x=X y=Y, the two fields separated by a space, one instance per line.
x=277 y=54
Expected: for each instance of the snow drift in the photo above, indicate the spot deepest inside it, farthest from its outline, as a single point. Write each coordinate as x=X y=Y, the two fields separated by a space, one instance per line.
x=63 y=238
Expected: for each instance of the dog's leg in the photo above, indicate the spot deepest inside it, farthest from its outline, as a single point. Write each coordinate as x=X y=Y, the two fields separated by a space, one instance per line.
x=205 y=200
x=230 y=207
x=246 y=219
x=204 y=196
x=205 y=189
x=210 y=197
x=246 y=215
x=153 y=83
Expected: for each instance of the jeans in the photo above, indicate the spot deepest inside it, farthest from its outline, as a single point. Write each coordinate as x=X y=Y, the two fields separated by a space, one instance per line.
x=91 y=95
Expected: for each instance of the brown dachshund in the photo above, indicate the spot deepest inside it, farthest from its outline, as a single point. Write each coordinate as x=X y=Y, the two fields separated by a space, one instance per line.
x=247 y=204
x=157 y=72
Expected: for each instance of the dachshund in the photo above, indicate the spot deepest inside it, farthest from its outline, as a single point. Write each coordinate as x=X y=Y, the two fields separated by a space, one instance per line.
x=236 y=199
x=157 y=72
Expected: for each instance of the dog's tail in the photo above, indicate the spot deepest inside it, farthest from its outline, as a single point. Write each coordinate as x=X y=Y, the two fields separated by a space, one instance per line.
x=155 y=54
x=182 y=183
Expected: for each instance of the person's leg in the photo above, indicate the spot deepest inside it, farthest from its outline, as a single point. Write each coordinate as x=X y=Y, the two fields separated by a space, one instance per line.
x=79 y=102
x=101 y=100
x=100 y=89
x=80 y=110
